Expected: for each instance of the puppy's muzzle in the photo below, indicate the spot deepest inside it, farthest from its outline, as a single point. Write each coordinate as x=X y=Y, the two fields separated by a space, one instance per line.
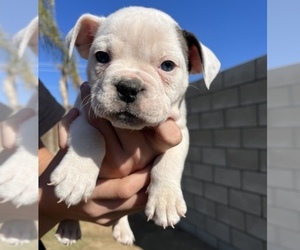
x=129 y=89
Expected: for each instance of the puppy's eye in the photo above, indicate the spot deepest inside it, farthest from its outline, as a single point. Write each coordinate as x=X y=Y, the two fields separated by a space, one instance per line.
x=167 y=66
x=102 y=57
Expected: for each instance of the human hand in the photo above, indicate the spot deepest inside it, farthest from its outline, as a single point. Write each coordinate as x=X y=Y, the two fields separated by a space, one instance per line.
x=9 y=127
x=130 y=150
x=125 y=171
x=108 y=202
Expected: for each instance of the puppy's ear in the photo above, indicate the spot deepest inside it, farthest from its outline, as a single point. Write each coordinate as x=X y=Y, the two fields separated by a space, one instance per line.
x=201 y=59
x=83 y=34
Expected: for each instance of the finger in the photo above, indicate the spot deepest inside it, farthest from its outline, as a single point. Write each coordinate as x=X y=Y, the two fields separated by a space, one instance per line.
x=22 y=115
x=164 y=136
x=115 y=209
x=64 y=125
x=122 y=188
x=9 y=128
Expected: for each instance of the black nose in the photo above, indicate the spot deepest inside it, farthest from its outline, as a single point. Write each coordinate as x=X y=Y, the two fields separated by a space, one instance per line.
x=128 y=90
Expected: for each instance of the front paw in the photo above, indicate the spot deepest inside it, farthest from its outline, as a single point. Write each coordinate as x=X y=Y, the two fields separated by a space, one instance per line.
x=74 y=180
x=165 y=205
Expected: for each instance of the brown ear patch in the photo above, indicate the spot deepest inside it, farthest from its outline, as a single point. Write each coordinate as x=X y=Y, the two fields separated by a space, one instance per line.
x=194 y=52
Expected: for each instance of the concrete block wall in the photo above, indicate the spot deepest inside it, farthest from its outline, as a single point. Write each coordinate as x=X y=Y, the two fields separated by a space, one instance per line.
x=225 y=181
x=284 y=158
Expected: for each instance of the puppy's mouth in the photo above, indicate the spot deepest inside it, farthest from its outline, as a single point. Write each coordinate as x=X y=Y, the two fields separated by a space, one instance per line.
x=127 y=120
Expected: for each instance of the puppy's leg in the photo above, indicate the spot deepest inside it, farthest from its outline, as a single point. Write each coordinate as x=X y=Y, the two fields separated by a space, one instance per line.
x=18 y=174
x=75 y=177
x=165 y=200
x=122 y=231
x=18 y=232
x=68 y=232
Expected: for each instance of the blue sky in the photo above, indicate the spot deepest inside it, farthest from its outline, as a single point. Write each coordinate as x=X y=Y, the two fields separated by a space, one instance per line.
x=14 y=16
x=235 y=30
x=283 y=33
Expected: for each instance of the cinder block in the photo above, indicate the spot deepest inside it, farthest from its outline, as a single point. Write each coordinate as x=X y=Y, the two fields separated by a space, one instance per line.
x=228 y=177
x=187 y=171
x=246 y=242
x=279 y=97
x=192 y=185
x=194 y=154
x=216 y=193
x=201 y=87
x=295 y=94
x=281 y=178
x=205 y=206
x=241 y=117
x=214 y=156
x=187 y=226
x=241 y=74
x=195 y=219
x=284 y=76
x=261 y=67
x=283 y=218
x=247 y=202
x=280 y=137
x=225 y=99
x=288 y=199
x=227 y=138
x=242 y=159
x=218 y=229
x=212 y=120
x=254 y=138
x=284 y=117
x=262 y=114
x=202 y=172
x=193 y=122
x=289 y=239
x=199 y=104
x=264 y=207
x=200 y=138
x=263 y=160
x=207 y=238
x=231 y=217
x=255 y=182
x=284 y=158
x=253 y=92
x=256 y=226
x=189 y=199
x=192 y=91
x=297 y=137
x=225 y=246
x=217 y=83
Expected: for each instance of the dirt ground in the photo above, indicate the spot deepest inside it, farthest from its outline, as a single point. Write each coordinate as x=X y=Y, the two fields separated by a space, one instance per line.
x=148 y=237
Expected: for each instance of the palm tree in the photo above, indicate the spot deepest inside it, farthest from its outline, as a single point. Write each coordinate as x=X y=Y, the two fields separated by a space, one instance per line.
x=14 y=66
x=51 y=38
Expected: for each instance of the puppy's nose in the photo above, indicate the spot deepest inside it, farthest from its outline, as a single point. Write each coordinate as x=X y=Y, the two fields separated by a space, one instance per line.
x=128 y=90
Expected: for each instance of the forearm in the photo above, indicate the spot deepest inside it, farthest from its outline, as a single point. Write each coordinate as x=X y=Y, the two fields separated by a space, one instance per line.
x=47 y=201
x=45 y=157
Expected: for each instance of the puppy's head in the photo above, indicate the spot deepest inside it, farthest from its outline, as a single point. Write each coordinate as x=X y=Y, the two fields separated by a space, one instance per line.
x=138 y=64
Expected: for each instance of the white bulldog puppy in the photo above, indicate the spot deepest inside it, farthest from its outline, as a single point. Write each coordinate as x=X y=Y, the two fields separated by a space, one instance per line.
x=139 y=60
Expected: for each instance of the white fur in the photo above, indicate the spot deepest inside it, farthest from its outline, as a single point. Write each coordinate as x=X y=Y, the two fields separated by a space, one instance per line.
x=138 y=40
x=19 y=173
